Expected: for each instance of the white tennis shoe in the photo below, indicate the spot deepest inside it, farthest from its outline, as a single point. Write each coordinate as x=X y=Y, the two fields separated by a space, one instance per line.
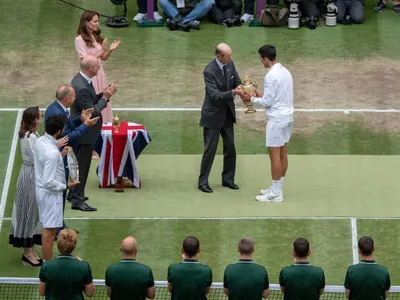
x=270 y=197
x=139 y=17
x=266 y=191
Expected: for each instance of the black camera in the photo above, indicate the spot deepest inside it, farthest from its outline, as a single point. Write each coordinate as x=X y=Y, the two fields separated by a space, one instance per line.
x=312 y=22
x=234 y=21
x=347 y=20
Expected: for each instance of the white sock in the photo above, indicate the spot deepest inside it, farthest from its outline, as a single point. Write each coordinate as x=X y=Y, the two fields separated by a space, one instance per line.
x=276 y=186
x=282 y=179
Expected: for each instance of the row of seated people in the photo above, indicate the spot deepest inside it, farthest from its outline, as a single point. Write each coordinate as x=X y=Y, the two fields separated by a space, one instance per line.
x=186 y=14
x=67 y=277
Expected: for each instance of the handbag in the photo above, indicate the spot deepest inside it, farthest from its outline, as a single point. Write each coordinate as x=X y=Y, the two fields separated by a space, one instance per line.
x=274 y=16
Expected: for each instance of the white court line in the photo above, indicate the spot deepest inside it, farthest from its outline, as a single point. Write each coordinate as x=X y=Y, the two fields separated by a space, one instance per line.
x=343 y=110
x=354 y=240
x=10 y=165
x=227 y=218
x=203 y=218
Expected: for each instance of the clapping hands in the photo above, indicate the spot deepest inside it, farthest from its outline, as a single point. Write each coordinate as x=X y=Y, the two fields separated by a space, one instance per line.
x=110 y=90
x=86 y=117
x=114 y=45
x=86 y=114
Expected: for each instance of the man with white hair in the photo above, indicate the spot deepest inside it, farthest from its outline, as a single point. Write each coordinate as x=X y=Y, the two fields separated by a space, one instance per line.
x=86 y=98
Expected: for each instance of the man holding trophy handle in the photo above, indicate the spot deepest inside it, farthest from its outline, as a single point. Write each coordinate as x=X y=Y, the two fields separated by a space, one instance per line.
x=218 y=115
x=278 y=102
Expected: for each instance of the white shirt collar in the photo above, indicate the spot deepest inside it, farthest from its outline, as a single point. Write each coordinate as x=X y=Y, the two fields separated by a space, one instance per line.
x=87 y=78
x=220 y=65
x=50 y=138
x=277 y=65
x=62 y=105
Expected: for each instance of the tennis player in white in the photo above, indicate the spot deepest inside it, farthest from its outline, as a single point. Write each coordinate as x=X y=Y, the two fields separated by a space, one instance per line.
x=278 y=102
x=50 y=181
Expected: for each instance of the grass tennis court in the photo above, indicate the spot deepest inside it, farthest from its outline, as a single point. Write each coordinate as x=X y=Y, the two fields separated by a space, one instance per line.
x=342 y=167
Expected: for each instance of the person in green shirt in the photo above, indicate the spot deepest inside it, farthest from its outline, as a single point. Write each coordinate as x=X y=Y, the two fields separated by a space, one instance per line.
x=66 y=277
x=189 y=279
x=302 y=281
x=246 y=279
x=367 y=280
x=129 y=279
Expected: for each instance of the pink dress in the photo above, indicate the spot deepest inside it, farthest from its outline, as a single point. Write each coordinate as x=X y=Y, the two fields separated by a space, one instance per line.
x=99 y=81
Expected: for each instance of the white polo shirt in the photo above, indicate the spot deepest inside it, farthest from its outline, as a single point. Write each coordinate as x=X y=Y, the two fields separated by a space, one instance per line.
x=278 y=94
x=49 y=166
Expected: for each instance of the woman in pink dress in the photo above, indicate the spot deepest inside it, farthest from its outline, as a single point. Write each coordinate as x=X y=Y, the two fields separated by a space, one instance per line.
x=89 y=42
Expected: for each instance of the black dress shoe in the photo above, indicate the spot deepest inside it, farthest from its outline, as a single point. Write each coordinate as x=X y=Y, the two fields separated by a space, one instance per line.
x=205 y=188
x=70 y=198
x=231 y=185
x=83 y=207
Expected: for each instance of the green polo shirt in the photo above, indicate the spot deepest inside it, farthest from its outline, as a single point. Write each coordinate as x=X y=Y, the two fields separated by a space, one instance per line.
x=129 y=279
x=245 y=280
x=190 y=280
x=65 y=277
x=367 y=281
x=302 y=281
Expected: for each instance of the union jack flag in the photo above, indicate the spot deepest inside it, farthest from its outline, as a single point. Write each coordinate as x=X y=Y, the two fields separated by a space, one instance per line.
x=119 y=151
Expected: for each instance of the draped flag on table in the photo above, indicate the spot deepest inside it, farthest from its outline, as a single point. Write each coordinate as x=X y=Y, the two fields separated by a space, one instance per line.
x=118 y=149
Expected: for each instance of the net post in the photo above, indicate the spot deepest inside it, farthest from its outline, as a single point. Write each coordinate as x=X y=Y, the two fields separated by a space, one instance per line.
x=260 y=7
x=150 y=10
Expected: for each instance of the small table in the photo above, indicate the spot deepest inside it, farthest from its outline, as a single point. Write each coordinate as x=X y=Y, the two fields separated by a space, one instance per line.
x=118 y=153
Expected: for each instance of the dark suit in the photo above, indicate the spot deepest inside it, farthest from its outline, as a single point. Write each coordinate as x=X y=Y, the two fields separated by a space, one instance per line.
x=217 y=118
x=85 y=98
x=74 y=128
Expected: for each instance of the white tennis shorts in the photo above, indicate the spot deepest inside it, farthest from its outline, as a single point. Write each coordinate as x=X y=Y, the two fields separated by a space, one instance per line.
x=50 y=209
x=278 y=134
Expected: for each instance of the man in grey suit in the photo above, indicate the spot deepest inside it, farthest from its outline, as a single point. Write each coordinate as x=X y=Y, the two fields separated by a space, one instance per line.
x=86 y=97
x=218 y=115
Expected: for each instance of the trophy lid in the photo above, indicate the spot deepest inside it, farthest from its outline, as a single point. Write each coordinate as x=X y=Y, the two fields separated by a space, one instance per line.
x=246 y=80
x=116 y=118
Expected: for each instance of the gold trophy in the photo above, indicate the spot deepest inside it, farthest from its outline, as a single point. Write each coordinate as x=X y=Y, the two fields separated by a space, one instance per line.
x=116 y=124
x=250 y=88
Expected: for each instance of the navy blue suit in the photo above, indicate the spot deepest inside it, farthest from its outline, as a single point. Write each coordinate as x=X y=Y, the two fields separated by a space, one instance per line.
x=74 y=128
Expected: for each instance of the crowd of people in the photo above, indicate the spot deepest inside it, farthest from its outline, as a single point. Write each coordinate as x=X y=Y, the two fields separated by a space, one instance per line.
x=72 y=124
x=68 y=277
x=186 y=14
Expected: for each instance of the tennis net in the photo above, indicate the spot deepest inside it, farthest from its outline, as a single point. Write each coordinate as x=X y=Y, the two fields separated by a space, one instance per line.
x=26 y=289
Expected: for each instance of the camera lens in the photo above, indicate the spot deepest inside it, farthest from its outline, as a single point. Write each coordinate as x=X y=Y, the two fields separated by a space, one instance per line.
x=311 y=23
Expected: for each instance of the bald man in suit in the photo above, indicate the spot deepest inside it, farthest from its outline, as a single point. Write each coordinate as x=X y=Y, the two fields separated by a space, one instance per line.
x=87 y=98
x=218 y=116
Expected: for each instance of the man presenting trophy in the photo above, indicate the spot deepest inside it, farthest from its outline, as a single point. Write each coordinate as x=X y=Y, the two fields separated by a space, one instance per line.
x=278 y=102
x=218 y=115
